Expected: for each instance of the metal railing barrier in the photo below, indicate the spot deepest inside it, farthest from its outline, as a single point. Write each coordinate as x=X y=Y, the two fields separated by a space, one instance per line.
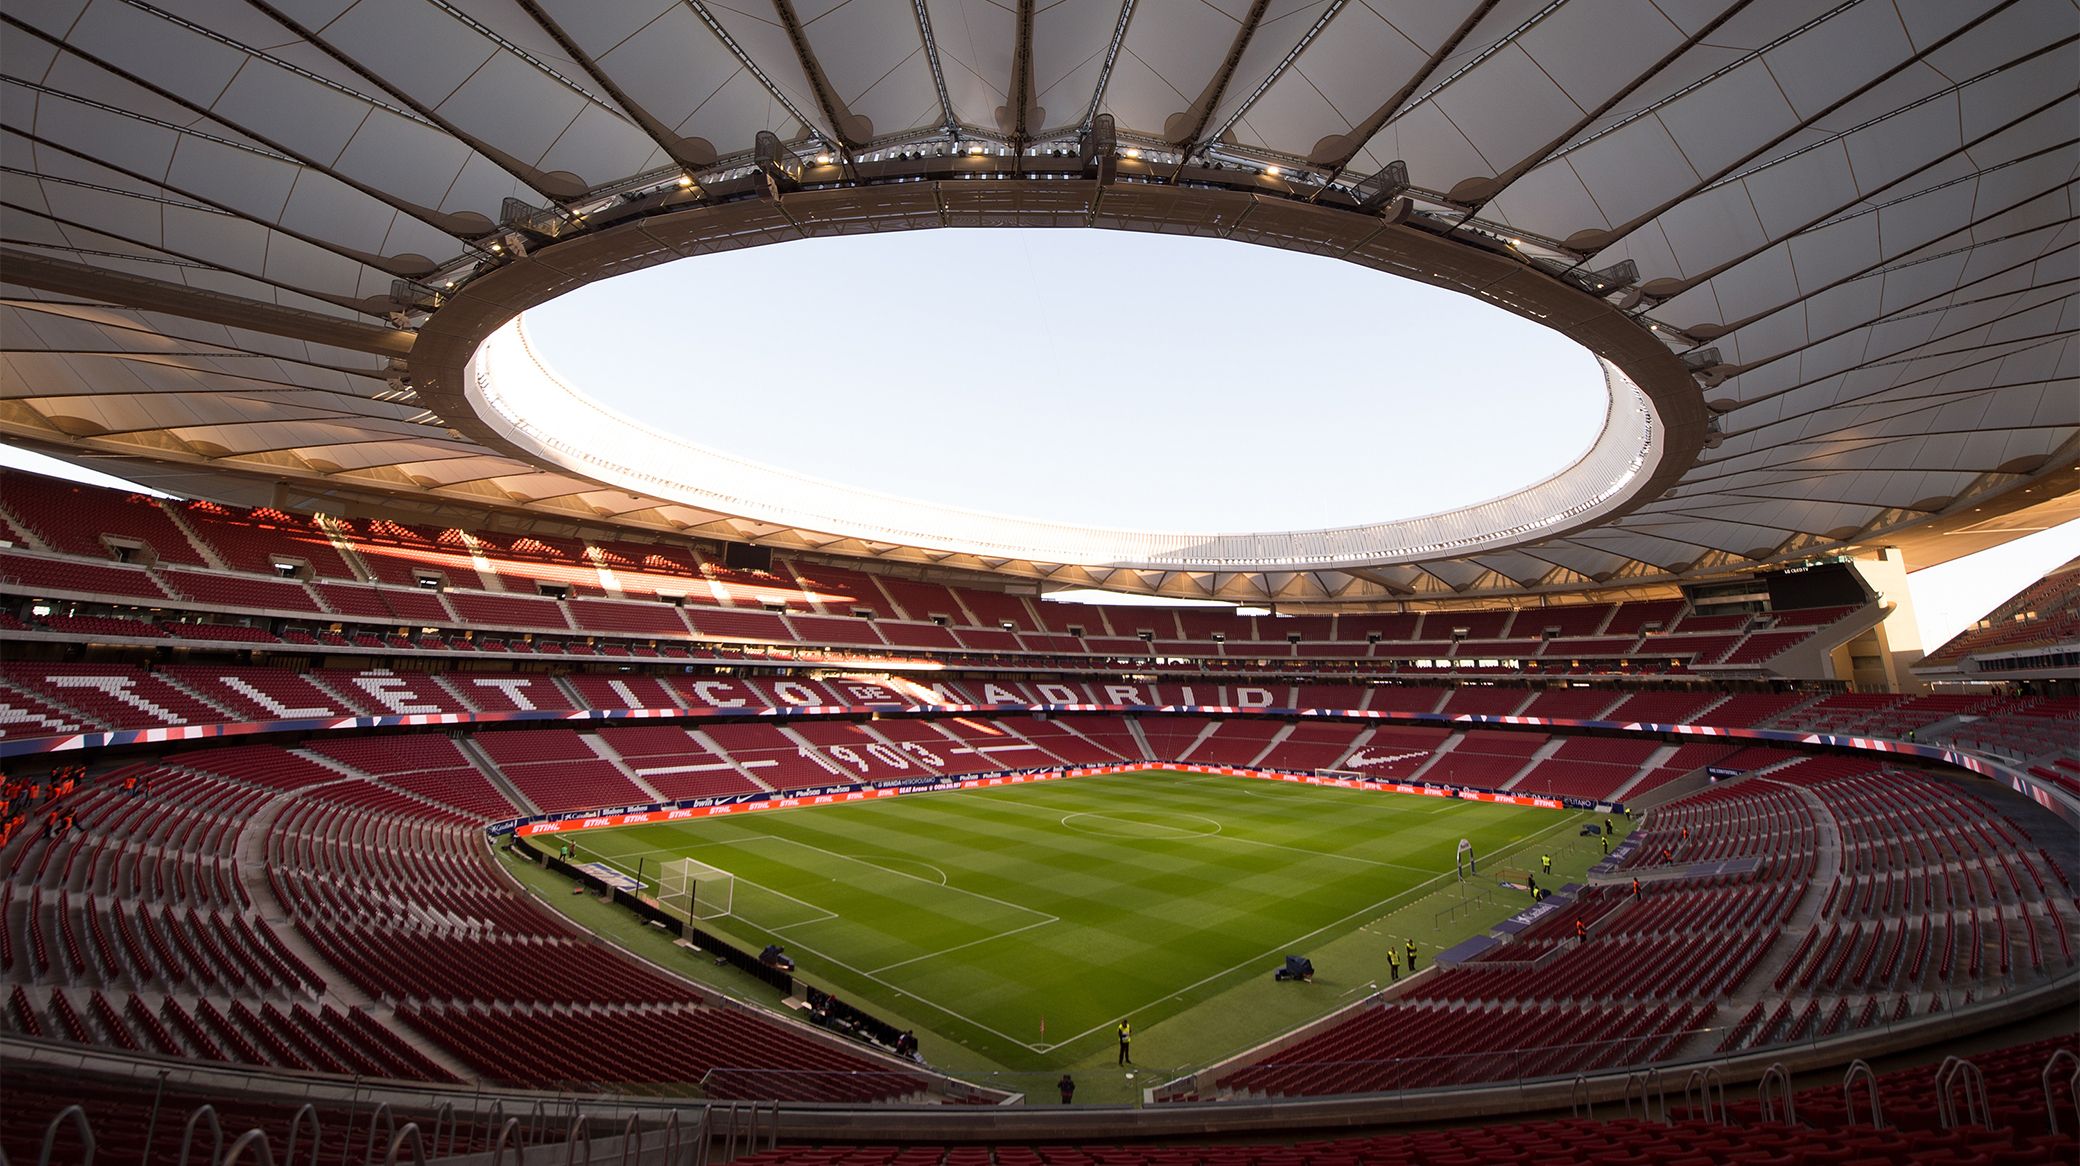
x=1860 y=1070
x=79 y=1123
x=216 y=1133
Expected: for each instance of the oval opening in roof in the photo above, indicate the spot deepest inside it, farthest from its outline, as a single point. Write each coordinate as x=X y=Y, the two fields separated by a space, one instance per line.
x=1048 y=386
x=1096 y=378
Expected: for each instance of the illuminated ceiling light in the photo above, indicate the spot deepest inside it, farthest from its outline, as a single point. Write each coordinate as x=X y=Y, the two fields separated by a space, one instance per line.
x=823 y=159
x=685 y=180
x=1132 y=152
x=1271 y=171
x=498 y=246
x=974 y=151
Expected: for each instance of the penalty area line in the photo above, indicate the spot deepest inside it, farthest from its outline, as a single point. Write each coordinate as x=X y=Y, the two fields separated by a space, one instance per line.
x=962 y=946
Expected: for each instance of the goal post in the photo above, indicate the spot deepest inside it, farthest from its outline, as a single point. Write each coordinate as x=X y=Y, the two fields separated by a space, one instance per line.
x=693 y=890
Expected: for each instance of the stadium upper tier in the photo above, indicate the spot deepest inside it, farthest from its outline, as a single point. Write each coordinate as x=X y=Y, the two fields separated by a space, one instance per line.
x=252 y=254
x=2036 y=632
x=201 y=572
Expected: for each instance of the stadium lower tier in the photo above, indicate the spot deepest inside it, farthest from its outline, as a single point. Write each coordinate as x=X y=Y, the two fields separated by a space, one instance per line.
x=1822 y=896
x=331 y=908
x=1898 y=1118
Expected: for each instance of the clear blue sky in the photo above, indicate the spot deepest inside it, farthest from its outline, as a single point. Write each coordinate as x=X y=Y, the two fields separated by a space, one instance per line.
x=1087 y=376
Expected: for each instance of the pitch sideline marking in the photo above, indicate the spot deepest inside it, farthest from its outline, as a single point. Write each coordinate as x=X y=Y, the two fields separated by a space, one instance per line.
x=1182 y=832
x=1268 y=953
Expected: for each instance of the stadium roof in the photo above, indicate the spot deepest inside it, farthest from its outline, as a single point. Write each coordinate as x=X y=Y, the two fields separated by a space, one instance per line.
x=251 y=248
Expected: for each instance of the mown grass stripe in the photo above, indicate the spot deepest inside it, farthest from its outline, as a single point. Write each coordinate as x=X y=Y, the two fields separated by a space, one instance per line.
x=1080 y=901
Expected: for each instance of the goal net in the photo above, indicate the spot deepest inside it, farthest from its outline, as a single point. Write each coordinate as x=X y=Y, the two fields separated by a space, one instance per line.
x=694 y=890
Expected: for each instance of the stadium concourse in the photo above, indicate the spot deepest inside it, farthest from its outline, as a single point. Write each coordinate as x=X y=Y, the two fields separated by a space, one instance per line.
x=276 y=850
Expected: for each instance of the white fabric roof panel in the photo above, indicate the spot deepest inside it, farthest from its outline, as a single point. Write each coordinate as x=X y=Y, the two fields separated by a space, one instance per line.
x=1286 y=24
x=1170 y=54
x=755 y=28
x=1069 y=42
x=1864 y=208
x=674 y=67
x=875 y=61
x=976 y=39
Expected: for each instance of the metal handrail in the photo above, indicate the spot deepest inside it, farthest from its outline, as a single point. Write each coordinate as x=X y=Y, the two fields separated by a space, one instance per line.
x=1955 y=1072
x=2072 y=1085
x=631 y=1133
x=79 y=1122
x=729 y=1135
x=1781 y=1077
x=1577 y=1105
x=580 y=1130
x=508 y=1138
x=151 y=1125
x=296 y=1129
x=1651 y=1087
x=346 y=1144
x=408 y=1133
x=253 y=1137
x=671 y=1137
x=444 y=1119
x=216 y=1131
x=1707 y=1083
x=703 y=1135
x=368 y=1144
x=1859 y=1069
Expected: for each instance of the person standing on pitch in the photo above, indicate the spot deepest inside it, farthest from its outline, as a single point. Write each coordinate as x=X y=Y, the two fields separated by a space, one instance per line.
x=1546 y=861
x=1126 y=1043
x=1411 y=957
x=1393 y=965
x=1068 y=1087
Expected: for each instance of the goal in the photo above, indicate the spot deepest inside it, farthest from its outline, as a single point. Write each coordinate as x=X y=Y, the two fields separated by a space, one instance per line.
x=692 y=889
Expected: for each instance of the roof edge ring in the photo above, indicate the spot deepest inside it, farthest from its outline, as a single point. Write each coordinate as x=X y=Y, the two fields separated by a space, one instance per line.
x=472 y=366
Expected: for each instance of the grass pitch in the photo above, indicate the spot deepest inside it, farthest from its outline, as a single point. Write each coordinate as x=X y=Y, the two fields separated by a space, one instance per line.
x=1024 y=921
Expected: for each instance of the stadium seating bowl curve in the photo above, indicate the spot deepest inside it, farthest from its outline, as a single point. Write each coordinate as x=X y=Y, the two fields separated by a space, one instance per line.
x=319 y=903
